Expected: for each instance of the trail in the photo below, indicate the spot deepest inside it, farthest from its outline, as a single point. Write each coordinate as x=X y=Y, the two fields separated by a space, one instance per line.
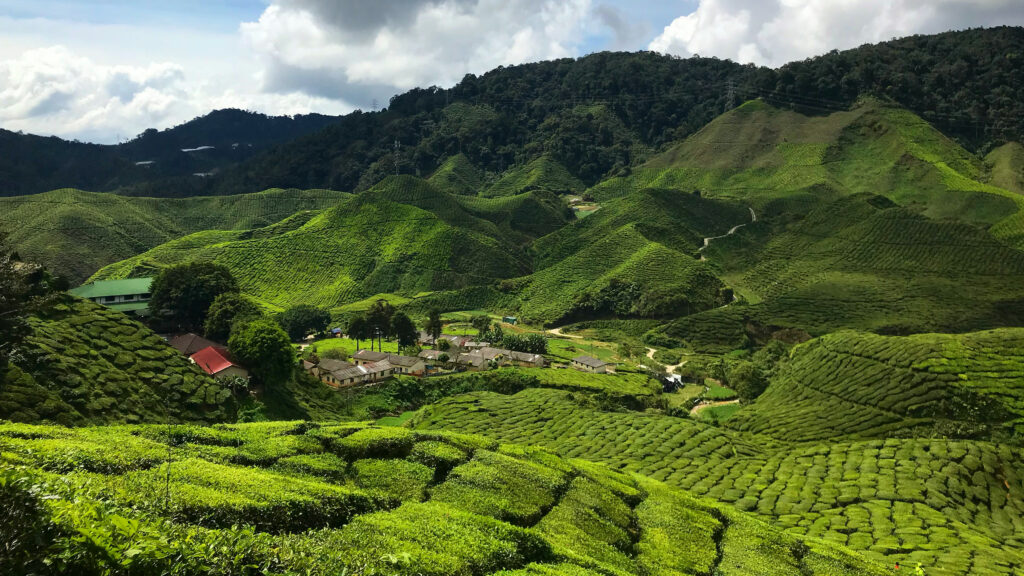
x=707 y=241
x=558 y=332
x=650 y=353
x=699 y=407
x=671 y=369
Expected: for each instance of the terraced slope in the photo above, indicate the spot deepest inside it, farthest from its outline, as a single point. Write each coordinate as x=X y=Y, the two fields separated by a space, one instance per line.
x=861 y=262
x=403 y=237
x=75 y=233
x=87 y=364
x=969 y=385
x=955 y=506
x=323 y=499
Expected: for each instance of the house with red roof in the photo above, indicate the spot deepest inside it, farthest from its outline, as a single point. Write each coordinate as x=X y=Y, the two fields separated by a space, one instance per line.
x=215 y=361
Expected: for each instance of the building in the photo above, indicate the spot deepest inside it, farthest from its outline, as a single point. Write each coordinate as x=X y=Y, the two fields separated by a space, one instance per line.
x=368 y=357
x=492 y=354
x=527 y=360
x=509 y=319
x=402 y=364
x=130 y=296
x=410 y=365
x=189 y=344
x=215 y=361
x=474 y=362
x=591 y=364
x=475 y=345
x=356 y=375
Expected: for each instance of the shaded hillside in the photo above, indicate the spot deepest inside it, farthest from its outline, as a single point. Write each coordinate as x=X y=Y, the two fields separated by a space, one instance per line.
x=403 y=237
x=155 y=163
x=954 y=506
x=86 y=364
x=965 y=386
x=75 y=233
x=353 y=497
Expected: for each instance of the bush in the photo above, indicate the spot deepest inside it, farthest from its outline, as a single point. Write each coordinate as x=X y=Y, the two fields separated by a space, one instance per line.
x=385 y=442
x=437 y=455
x=398 y=479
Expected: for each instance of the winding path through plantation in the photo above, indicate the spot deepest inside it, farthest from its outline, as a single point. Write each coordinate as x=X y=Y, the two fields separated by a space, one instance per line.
x=558 y=332
x=707 y=241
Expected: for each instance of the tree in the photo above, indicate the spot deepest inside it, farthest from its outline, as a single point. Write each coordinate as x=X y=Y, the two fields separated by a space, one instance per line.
x=298 y=321
x=264 y=348
x=626 y=351
x=747 y=380
x=358 y=329
x=334 y=354
x=184 y=292
x=24 y=289
x=442 y=345
x=434 y=325
x=403 y=329
x=482 y=323
x=379 y=318
x=227 y=309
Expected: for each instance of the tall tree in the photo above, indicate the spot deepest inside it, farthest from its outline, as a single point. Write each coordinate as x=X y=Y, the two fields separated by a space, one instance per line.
x=403 y=328
x=434 y=324
x=264 y=348
x=298 y=321
x=379 y=318
x=482 y=323
x=183 y=293
x=227 y=309
x=358 y=329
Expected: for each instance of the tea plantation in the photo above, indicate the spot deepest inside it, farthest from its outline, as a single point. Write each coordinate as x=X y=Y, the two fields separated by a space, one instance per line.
x=956 y=506
x=296 y=497
x=84 y=363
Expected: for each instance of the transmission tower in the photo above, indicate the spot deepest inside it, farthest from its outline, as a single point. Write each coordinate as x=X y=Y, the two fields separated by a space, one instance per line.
x=398 y=149
x=730 y=94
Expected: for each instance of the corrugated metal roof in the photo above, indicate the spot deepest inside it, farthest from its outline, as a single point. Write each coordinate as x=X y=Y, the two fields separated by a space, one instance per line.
x=212 y=360
x=103 y=288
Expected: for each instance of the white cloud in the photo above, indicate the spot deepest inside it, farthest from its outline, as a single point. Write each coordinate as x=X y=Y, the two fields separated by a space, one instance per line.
x=349 y=49
x=773 y=32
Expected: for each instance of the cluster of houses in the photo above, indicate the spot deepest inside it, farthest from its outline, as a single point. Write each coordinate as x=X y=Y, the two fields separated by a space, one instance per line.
x=366 y=367
x=211 y=357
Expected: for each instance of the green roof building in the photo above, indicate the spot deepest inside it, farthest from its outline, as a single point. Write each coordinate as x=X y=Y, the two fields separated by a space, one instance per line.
x=128 y=296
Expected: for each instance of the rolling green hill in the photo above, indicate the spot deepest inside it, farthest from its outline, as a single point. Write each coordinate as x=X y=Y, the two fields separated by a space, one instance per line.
x=75 y=233
x=85 y=364
x=955 y=506
x=403 y=237
x=296 y=497
x=958 y=386
x=543 y=173
x=459 y=176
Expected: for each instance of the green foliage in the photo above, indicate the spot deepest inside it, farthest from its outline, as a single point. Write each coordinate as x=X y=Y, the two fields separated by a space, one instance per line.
x=403 y=329
x=434 y=326
x=264 y=348
x=396 y=479
x=183 y=293
x=225 y=310
x=299 y=321
x=390 y=442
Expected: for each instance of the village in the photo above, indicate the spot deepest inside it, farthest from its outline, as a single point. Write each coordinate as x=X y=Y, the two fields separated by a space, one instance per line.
x=441 y=355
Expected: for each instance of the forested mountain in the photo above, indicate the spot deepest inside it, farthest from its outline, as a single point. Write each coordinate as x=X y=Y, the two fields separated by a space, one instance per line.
x=594 y=115
x=151 y=162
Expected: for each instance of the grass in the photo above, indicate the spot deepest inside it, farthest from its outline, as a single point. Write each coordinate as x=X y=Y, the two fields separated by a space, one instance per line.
x=450 y=504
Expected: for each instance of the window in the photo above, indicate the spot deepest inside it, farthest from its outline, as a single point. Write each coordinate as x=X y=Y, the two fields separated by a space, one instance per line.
x=109 y=299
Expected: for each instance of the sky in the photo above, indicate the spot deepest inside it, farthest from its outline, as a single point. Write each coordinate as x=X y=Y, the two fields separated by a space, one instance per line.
x=105 y=70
